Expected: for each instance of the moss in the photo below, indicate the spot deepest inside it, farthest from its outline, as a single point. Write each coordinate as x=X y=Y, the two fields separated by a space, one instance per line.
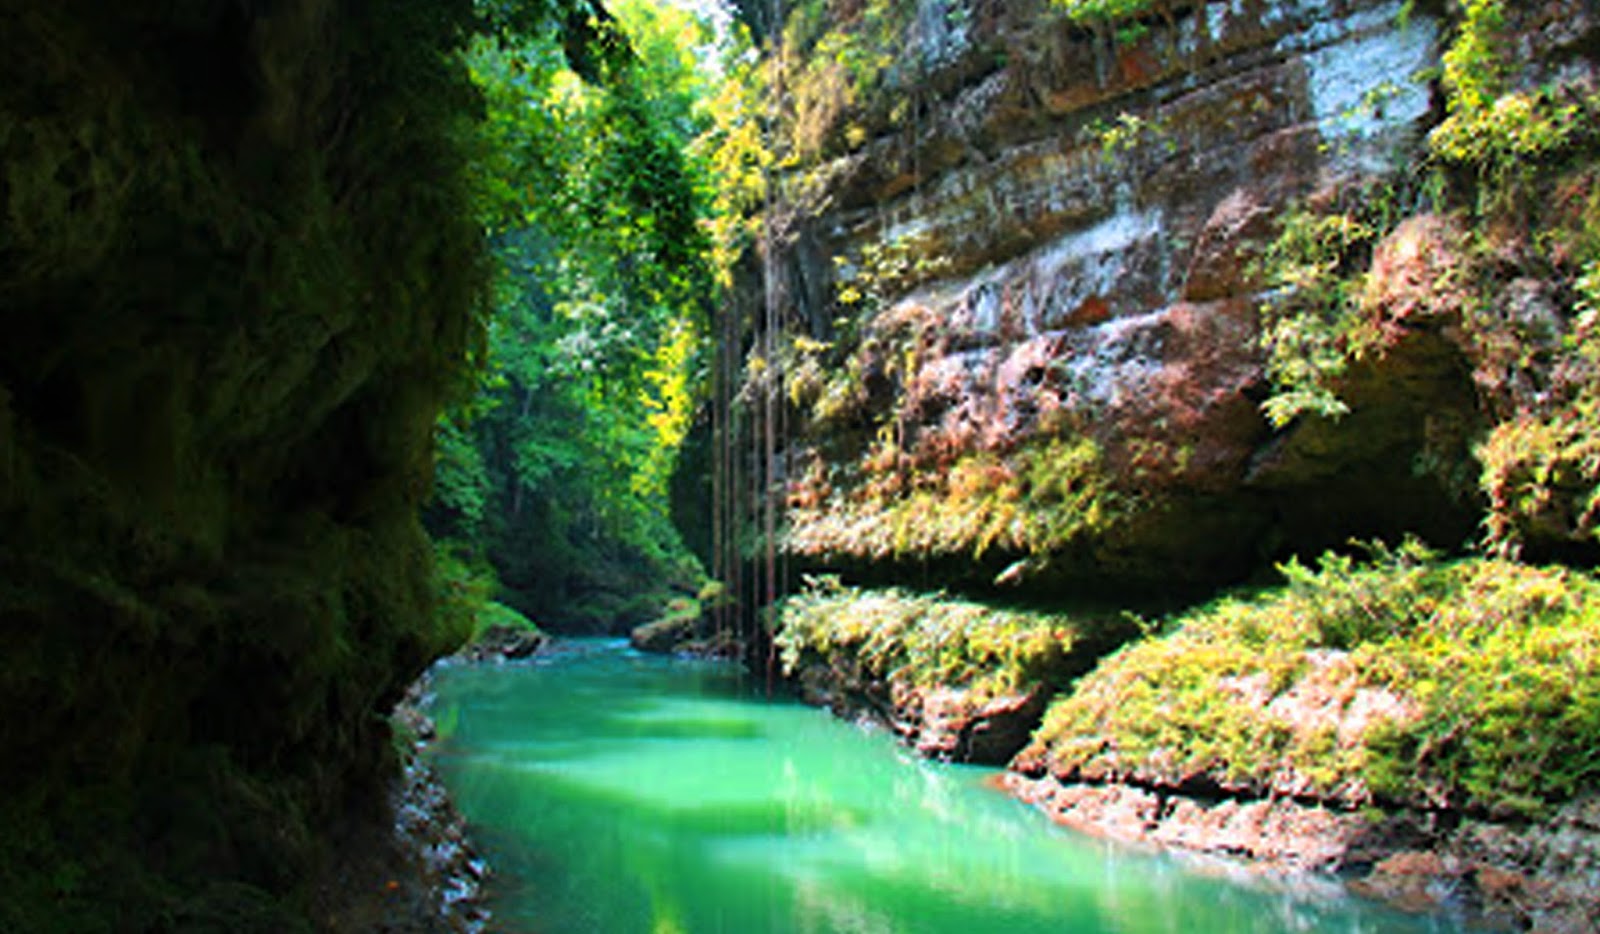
x=927 y=640
x=241 y=275
x=498 y=615
x=1472 y=685
x=1038 y=500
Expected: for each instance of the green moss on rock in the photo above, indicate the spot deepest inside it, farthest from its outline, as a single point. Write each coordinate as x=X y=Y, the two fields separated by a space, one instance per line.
x=1472 y=685
x=928 y=640
x=1039 y=499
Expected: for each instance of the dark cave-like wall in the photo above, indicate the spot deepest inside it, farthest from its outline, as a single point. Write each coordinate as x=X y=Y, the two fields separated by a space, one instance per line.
x=238 y=275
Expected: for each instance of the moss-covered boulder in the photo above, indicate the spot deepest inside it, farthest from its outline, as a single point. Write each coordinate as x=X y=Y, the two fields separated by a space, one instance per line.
x=1471 y=686
x=956 y=679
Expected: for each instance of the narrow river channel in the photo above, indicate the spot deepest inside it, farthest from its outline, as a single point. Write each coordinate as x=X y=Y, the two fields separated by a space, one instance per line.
x=618 y=793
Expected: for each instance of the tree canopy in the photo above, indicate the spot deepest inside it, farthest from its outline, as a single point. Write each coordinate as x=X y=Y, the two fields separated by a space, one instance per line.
x=598 y=201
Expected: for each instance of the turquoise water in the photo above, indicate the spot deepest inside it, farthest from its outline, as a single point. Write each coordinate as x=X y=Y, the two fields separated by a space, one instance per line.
x=616 y=792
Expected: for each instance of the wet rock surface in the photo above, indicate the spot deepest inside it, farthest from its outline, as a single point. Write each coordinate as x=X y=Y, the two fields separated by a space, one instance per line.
x=958 y=725
x=664 y=636
x=503 y=643
x=408 y=867
x=1541 y=877
x=942 y=722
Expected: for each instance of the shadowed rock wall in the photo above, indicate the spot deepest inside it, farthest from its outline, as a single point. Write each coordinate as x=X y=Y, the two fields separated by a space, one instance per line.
x=238 y=277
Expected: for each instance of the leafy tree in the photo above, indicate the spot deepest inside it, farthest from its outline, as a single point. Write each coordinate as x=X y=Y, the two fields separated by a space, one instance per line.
x=558 y=471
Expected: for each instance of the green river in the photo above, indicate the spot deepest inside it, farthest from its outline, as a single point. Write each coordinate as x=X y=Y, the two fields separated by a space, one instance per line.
x=617 y=792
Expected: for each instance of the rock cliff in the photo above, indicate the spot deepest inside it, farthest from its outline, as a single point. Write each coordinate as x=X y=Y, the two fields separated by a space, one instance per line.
x=238 y=274
x=1135 y=300
x=1022 y=270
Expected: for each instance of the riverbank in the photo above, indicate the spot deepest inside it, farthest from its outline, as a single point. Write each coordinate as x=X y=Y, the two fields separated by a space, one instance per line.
x=1537 y=876
x=1421 y=730
x=407 y=867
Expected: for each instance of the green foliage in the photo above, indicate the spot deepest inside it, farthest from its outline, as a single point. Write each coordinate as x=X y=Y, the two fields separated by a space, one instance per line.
x=733 y=151
x=242 y=274
x=833 y=65
x=1126 y=133
x=465 y=587
x=461 y=484
x=1472 y=685
x=927 y=640
x=496 y=615
x=885 y=271
x=1122 y=20
x=1502 y=132
x=1542 y=475
x=847 y=70
x=1541 y=463
x=1314 y=326
x=1104 y=12
x=1036 y=501
x=598 y=201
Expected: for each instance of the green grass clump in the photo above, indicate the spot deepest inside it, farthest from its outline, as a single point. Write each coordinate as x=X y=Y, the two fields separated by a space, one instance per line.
x=496 y=615
x=1471 y=685
x=927 y=640
x=1104 y=11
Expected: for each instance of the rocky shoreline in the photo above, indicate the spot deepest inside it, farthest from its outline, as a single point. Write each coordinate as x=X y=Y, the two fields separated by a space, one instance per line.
x=408 y=867
x=1541 y=877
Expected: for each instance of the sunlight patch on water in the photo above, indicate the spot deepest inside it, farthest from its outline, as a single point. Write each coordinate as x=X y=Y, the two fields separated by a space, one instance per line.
x=619 y=793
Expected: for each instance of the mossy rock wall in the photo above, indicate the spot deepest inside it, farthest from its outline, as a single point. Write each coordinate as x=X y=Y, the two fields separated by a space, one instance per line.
x=1029 y=236
x=1464 y=687
x=238 y=279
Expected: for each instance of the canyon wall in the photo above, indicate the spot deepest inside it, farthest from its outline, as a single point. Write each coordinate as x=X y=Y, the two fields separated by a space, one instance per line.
x=1113 y=305
x=1023 y=284
x=239 y=275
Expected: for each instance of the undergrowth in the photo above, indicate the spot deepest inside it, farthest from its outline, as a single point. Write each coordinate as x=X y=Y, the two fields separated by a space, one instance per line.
x=466 y=587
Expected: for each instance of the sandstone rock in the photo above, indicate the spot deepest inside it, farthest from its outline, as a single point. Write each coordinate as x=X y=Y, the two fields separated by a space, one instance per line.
x=1541 y=877
x=951 y=724
x=1080 y=230
x=663 y=635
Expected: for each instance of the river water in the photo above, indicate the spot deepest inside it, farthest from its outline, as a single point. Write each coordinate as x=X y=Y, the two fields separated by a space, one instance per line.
x=617 y=793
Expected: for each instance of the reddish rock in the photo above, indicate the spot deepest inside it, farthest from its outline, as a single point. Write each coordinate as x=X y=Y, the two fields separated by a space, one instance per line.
x=1418 y=273
x=1093 y=310
x=1540 y=878
x=1078 y=248
x=1239 y=227
x=954 y=725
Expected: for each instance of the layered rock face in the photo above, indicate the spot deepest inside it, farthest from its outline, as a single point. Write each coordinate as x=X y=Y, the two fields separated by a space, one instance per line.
x=1030 y=299
x=1148 y=303
x=238 y=278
